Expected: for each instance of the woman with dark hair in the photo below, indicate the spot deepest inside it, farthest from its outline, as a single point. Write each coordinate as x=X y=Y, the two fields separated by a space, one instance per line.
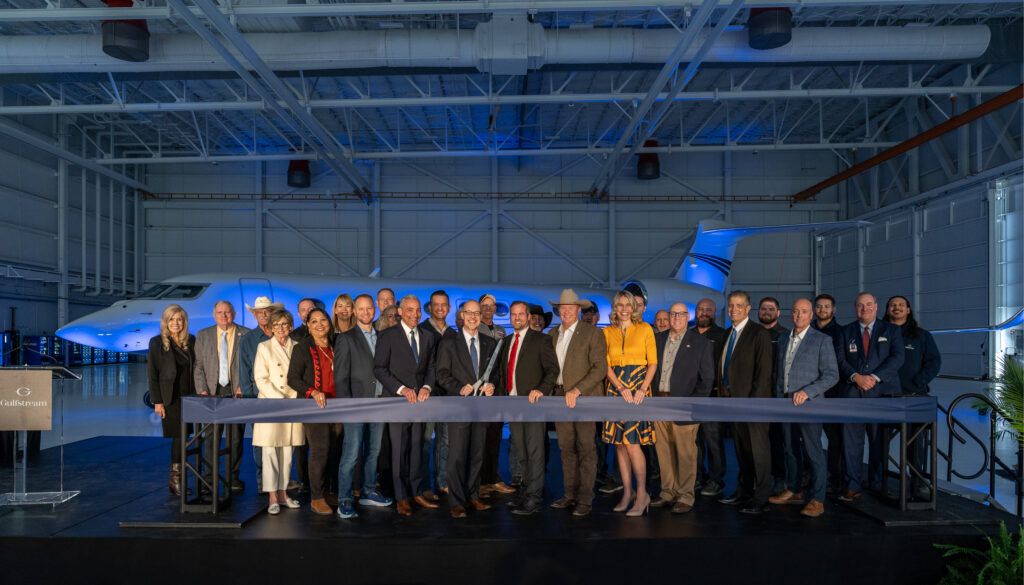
x=171 y=360
x=921 y=363
x=311 y=374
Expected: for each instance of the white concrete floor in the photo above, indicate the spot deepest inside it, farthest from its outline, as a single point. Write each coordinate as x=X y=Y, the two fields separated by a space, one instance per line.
x=109 y=401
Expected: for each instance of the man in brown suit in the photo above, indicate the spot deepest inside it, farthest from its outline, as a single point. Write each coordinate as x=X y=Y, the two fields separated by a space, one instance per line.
x=581 y=353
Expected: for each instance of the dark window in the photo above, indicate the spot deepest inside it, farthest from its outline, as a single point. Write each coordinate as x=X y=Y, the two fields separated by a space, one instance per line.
x=185 y=291
x=153 y=291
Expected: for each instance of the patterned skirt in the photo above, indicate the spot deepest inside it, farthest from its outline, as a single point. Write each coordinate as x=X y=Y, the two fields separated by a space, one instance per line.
x=628 y=432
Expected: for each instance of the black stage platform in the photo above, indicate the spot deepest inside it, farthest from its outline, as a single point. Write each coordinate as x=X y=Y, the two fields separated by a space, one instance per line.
x=123 y=482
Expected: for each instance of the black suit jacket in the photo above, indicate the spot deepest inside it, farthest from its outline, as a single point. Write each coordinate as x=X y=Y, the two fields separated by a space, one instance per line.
x=693 y=370
x=163 y=371
x=750 y=368
x=536 y=364
x=717 y=336
x=393 y=362
x=353 y=365
x=454 y=366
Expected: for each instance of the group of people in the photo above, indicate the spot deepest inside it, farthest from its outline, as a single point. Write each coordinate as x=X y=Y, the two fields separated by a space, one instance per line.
x=367 y=347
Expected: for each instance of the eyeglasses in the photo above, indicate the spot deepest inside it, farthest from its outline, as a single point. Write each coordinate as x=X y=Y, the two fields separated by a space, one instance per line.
x=471 y=313
x=682 y=315
x=280 y=326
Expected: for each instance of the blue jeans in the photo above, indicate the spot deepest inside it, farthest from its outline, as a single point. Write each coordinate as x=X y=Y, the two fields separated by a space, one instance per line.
x=363 y=437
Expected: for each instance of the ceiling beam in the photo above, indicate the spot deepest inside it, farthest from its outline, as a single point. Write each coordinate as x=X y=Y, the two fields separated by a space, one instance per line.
x=59 y=14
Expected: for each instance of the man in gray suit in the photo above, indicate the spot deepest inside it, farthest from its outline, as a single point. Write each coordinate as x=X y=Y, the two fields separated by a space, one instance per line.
x=807 y=368
x=582 y=362
x=216 y=374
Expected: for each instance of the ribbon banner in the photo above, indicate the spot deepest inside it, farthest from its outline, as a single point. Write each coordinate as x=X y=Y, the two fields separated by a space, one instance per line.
x=906 y=409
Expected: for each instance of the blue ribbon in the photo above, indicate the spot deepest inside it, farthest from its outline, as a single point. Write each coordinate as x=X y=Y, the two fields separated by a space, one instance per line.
x=915 y=409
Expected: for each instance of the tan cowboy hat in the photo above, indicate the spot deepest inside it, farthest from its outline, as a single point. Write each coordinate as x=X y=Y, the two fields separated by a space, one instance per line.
x=569 y=297
x=263 y=303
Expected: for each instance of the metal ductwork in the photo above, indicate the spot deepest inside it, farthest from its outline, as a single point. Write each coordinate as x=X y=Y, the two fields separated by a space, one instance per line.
x=769 y=28
x=126 y=40
x=506 y=45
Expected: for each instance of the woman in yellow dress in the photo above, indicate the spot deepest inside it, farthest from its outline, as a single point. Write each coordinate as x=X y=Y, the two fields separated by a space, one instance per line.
x=632 y=361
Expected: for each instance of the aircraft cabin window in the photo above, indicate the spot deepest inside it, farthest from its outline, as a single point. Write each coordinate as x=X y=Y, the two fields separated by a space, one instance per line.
x=501 y=309
x=153 y=291
x=185 y=291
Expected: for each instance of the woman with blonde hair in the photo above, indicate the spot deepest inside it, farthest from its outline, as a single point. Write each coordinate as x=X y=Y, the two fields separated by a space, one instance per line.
x=388 y=318
x=270 y=372
x=170 y=362
x=343 y=313
x=632 y=362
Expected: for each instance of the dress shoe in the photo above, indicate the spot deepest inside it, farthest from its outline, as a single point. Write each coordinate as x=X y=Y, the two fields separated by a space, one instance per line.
x=681 y=508
x=503 y=488
x=237 y=486
x=320 y=507
x=404 y=508
x=274 y=509
x=581 y=510
x=659 y=502
x=423 y=502
x=527 y=509
x=563 y=503
x=430 y=496
x=458 y=512
x=813 y=509
x=787 y=497
x=753 y=508
x=485 y=491
x=443 y=490
x=291 y=504
x=850 y=496
x=479 y=506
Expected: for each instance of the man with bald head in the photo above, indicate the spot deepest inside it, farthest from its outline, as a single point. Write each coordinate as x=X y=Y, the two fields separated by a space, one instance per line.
x=869 y=353
x=806 y=369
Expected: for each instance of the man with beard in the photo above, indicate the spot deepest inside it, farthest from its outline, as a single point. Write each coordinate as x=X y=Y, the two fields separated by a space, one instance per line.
x=825 y=321
x=768 y=312
x=711 y=436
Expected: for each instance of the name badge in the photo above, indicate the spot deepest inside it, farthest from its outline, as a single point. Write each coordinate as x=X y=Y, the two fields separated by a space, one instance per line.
x=853 y=347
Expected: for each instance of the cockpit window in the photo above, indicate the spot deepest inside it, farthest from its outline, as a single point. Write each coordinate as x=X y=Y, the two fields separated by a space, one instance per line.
x=153 y=291
x=185 y=291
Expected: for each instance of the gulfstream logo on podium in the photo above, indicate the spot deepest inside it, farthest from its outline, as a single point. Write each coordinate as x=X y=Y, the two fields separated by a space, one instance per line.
x=25 y=400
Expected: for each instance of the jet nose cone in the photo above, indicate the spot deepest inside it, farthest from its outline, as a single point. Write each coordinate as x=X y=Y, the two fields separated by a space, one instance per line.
x=112 y=329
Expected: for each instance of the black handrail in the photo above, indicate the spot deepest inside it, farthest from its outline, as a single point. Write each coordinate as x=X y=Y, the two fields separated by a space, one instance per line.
x=991 y=458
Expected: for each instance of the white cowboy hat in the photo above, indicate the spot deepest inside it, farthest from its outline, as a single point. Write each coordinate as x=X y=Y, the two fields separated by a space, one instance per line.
x=569 y=297
x=264 y=303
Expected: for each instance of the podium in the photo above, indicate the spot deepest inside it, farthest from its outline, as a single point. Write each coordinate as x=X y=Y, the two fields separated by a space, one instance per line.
x=27 y=404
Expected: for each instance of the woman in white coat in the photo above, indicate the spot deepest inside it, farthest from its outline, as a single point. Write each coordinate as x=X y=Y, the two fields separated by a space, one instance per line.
x=270 y=371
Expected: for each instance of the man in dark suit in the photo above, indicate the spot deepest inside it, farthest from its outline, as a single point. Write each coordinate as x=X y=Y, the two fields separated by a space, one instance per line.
x=869 y=353
x=768 y=311
x=404 y=365
x=825 y=321
x=461 y=364
x=747 y=373
x=711 y=436
x=807 y=368
x=685 y=369
x=353 y=378
x=528 y=367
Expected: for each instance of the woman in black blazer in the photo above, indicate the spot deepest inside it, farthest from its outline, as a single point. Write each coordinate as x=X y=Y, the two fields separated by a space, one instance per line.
x=171 y=361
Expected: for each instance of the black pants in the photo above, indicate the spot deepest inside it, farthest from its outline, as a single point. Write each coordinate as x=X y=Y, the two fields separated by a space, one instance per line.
x=489 y=472
x=711 y=441
x=324 y=456
x=406 y=455
x=528 y=441
x=754 y=454
x=465 y=460
x=235 y=434
x=836 y=461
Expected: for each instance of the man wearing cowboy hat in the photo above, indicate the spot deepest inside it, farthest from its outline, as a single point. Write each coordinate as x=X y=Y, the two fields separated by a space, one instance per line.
x=581 y=352
x=261 y=310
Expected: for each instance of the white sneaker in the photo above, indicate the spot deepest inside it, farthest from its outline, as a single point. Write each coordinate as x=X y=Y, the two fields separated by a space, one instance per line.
x=274 y=509
x=293 y=504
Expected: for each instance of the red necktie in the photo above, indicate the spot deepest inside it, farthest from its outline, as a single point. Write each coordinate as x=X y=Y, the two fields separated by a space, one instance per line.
x=865 y=340
x=509 y=379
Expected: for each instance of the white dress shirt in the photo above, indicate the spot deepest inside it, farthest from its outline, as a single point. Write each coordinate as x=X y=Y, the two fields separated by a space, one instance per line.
x=522 y=339
x=739 y=331
x=419 y=350
x=795 y=339
x=564 y=338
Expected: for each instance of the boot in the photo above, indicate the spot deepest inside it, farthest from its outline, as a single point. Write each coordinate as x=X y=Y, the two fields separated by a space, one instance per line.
x=174 y=481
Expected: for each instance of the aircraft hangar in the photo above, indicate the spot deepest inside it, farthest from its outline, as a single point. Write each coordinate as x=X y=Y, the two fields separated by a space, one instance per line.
x=543 y=143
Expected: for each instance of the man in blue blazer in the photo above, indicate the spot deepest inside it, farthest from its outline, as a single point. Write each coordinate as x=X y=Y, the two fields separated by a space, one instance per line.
x=807 y=368
x=869 y=353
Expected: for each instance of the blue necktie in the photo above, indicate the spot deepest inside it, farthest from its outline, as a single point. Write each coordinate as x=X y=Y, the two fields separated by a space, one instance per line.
x=728 y=357
x=223 y=377
x=415 y=350
x=473 y=356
